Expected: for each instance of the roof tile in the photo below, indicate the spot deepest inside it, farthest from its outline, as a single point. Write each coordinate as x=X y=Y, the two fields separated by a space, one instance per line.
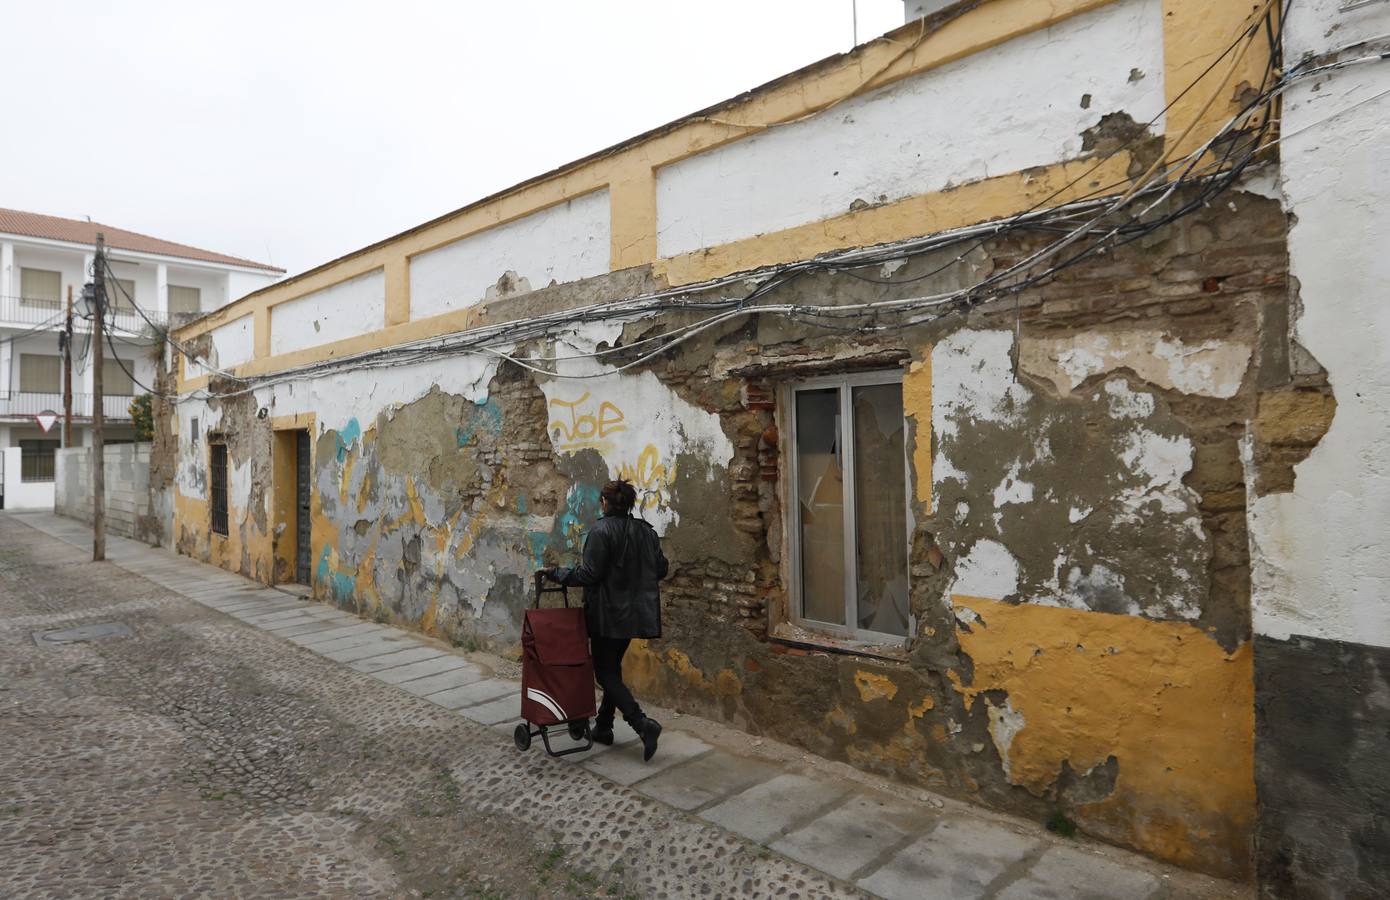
x=55 y=228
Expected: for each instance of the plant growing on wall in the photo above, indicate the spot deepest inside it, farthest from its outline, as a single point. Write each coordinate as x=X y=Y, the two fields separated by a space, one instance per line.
x=142 y=414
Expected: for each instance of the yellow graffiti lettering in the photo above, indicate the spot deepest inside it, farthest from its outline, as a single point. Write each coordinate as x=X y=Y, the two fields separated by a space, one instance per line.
x=650 y=477
x=576 y=423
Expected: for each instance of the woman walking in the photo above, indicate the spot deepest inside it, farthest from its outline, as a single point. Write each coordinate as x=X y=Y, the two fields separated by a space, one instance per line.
x=622 y=564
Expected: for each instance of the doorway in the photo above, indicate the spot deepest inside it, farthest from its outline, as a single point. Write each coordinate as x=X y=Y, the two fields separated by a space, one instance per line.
x=302 y=493
x=294 y=492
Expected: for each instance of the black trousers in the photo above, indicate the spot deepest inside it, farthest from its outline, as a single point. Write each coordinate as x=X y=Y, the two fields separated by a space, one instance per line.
x=608 y=672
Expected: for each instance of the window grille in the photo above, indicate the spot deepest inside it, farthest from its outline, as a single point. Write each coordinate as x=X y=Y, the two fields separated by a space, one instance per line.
x=218 y=475
x=36 y=460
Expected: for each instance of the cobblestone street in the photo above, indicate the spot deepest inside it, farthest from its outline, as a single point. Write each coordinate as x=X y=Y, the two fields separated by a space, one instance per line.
x=270 y=748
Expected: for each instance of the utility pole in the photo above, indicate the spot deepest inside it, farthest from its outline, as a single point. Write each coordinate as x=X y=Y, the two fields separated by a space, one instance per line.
x=67 y=375
x=98 y=412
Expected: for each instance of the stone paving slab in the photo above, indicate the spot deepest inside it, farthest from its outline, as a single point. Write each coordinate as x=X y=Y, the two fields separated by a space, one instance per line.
x=412 y=654
x=958 y=859
x=434 y=684
x=296 y=618
x=887 y=845
x=259 y=605
x=624 y=765
x=266 y=619
x=379 y=647
x=765 y=811
x=849 y=837
x=346 y=636
x=495 y=712
x=309 y=614
x=342 y=631
x=470 y=694
x=304 y=629
x=1063 y=872
x=438 y=665
x=709 y=779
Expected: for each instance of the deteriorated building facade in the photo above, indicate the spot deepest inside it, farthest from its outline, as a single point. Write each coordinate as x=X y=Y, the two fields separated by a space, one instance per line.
x=971 y=406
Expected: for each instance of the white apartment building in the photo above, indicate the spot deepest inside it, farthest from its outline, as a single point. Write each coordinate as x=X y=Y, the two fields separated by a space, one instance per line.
x=43 y=261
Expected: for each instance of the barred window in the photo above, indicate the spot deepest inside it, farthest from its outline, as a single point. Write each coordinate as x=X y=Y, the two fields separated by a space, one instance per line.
x=36 y=459
x=218 y=478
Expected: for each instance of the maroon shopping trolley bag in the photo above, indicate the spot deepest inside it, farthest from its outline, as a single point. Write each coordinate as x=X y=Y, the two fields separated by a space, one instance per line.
x=557 y=673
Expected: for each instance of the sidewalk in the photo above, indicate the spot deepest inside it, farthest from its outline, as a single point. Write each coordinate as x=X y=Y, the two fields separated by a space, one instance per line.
x=885 y=839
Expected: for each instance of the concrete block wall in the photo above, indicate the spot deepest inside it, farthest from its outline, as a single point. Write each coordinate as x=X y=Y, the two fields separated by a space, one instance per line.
x=132 y=508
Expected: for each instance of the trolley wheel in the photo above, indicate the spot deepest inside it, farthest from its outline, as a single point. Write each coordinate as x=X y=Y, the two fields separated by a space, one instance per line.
x=522 y=736
x=579 y=729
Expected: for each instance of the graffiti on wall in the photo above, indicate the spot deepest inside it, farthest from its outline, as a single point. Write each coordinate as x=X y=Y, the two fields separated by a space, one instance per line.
x=584 y=422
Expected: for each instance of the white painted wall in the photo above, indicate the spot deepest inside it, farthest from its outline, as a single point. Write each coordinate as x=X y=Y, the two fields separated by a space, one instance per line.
x=562 y=243
x=239 y=284
x=1008 y=108
x=232 y=344
x=353 y=307
x=20 y=494
x=1321 y=554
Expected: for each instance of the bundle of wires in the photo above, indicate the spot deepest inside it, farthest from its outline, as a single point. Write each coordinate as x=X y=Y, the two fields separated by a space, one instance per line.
x=1097 y=222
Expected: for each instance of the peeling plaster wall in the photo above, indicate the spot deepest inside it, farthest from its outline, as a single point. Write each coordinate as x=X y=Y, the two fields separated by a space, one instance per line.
x=557 y=245
x=1079 y=576
x=1320 y=535
x=925 y=133
x=640 y=428
x=357 y=306
x=232 y=345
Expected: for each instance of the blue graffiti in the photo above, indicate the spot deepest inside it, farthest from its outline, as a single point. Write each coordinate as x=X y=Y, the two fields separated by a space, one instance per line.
x=581 y=507
x=487 y=415
x=350 y=433
x=340 y=586
x=539 y=541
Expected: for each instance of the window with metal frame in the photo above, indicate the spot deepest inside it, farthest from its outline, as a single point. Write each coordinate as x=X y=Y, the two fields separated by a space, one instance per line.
x=218 y=476
x=37 y=459
x=850 y=524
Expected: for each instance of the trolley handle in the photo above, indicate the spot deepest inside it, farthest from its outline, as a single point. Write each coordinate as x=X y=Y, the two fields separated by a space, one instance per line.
x=541 y=590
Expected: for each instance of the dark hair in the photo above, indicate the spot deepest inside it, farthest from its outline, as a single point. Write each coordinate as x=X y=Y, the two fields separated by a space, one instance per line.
x=621 y=496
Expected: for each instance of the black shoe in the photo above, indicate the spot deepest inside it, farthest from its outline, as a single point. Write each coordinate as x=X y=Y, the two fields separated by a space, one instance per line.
x=602 y=734
x=651 y=733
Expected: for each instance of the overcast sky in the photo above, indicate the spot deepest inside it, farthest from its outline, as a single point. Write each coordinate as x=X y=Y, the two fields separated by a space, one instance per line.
x=295 y=132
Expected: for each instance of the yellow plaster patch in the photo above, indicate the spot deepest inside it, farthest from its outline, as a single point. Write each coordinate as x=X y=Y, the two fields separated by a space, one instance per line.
x=727 y=683
x=1163 y=698
x=873 y=686
x=837 y=718
x=917 y=406
x=920 y=710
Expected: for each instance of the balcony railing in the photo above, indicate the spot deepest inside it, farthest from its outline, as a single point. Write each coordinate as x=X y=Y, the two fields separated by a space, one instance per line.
x=27 y=404
x=29 y=312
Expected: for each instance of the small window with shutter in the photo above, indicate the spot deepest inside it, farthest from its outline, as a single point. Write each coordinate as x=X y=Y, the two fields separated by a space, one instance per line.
x=40 y=288
x=40 y=374
x=115 y=377
x=120 y=294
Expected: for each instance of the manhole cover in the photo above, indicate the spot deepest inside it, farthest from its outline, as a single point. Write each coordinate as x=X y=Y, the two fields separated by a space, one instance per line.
x=93 y=632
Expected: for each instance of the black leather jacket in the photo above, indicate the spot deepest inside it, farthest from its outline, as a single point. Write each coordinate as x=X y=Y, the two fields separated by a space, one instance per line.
x=622 y=564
